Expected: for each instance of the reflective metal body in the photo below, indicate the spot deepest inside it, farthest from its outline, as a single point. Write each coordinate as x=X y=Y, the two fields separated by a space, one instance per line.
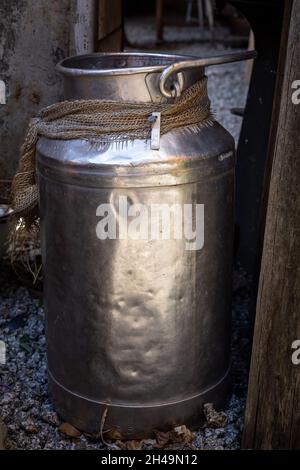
x=138 y=331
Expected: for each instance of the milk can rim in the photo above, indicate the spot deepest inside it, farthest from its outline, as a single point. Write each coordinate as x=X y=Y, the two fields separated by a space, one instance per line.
x=65 y=66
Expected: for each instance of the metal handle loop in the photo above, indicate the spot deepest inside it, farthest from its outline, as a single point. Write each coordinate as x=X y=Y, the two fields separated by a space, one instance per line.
x=203 y=62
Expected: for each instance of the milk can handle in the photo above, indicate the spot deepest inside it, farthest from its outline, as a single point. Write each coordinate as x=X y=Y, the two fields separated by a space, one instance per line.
x=192 y=63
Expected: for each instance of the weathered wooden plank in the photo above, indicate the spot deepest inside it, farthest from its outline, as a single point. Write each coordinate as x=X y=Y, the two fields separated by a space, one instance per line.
x=272 y=418
x=110 y=16
x=110 y=25
x=84 y=31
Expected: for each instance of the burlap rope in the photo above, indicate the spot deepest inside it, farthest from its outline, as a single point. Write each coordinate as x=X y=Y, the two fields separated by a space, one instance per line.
x=107 y=120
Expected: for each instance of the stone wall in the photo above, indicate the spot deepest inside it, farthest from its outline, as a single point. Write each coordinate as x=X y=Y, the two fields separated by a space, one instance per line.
x=34 y=36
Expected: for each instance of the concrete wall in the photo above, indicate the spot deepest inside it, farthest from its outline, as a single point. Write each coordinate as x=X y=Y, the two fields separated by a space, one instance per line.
x=34 y=36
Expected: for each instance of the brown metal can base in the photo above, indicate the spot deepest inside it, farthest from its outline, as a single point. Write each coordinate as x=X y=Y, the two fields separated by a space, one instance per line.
x=136 y=421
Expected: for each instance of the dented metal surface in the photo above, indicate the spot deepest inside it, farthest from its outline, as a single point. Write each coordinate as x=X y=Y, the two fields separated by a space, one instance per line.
x=138 y=331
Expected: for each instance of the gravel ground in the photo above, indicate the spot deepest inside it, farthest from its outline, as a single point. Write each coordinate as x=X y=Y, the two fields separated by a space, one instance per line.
x=25 y=408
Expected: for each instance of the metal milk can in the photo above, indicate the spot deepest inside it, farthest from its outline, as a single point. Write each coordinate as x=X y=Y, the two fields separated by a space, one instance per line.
x=138 y=329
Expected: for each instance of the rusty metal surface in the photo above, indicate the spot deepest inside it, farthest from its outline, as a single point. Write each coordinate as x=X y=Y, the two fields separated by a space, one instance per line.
x=138 y=328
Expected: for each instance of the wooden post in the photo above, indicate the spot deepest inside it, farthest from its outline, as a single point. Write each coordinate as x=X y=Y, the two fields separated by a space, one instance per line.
x=110 y=25
x=272 y=418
